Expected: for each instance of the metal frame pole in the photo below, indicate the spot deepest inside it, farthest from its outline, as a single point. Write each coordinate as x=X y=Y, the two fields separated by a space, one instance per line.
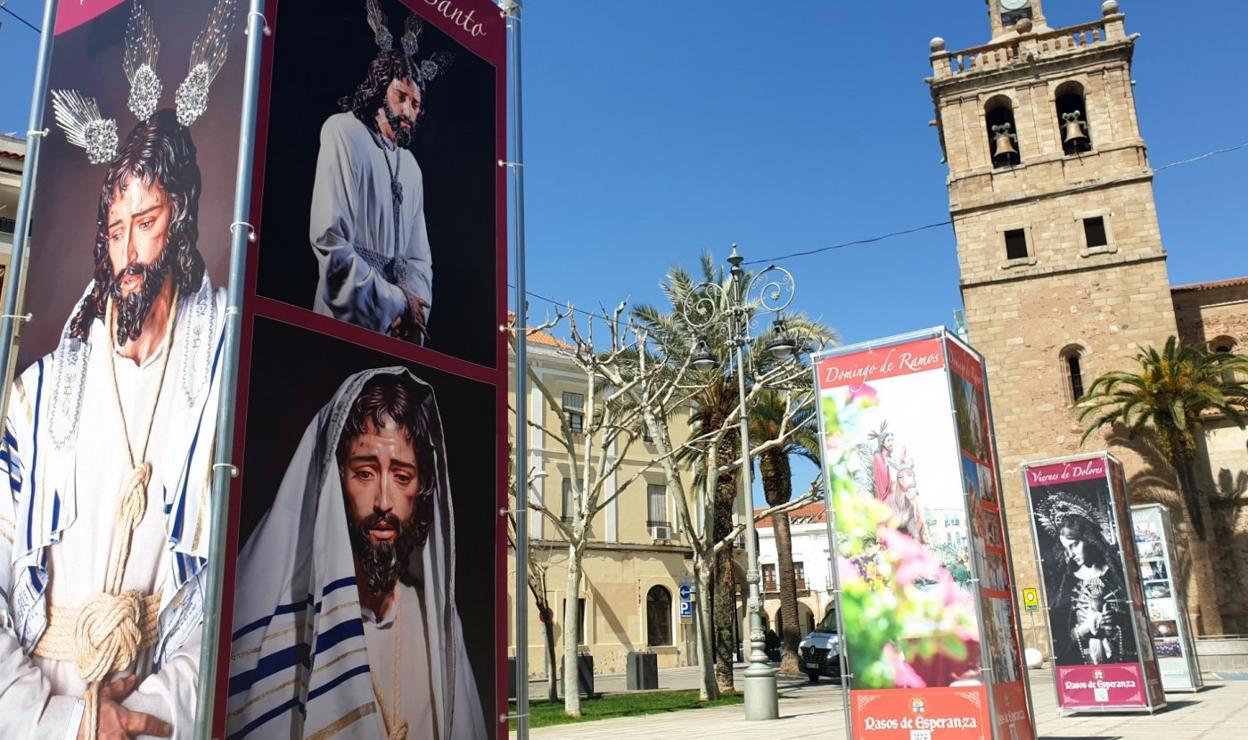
x=223 y=469
x=761 y=699
x=512 y=9
x=26 y=198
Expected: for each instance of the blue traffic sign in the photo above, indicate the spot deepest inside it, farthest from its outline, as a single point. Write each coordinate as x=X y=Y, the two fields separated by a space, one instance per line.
x=686 y=592
x=686 y=610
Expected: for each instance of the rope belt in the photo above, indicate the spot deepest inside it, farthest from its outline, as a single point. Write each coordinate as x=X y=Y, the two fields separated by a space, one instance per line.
x=111 y=628
x=102 y=629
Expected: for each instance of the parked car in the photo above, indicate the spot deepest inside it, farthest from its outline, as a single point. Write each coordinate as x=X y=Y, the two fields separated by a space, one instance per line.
x=820 y=651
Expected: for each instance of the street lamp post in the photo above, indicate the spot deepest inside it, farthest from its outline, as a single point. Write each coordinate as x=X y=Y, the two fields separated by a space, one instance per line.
x=770 y=290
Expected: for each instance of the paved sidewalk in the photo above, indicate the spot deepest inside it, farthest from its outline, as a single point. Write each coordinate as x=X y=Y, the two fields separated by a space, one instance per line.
x=1219 y=712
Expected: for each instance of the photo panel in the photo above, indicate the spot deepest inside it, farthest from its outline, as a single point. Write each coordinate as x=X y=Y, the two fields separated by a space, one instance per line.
x=1077 y=536
x=379 y=539
x=112 y=417
x=381 y=192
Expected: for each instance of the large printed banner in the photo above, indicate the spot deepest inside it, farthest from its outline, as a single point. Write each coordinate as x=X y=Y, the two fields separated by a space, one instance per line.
x=1102 y=657
x=1167 y=617
x=369 y=599
x=911 y=538
x=998 y=610
x=111 y=420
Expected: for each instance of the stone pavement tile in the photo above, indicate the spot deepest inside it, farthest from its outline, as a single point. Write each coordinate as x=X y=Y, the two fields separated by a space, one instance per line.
x=1219 y=713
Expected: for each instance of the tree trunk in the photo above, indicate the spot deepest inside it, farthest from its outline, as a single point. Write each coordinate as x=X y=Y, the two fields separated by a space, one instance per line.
x=1201 y=546
x=725 y=621
x=571 y=620
x=548 y=628
x=791 y=632
x=777 y=476
x=552 y=662
x=702 y=621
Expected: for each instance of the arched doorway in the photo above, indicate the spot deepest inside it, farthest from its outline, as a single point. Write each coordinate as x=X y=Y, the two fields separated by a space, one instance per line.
x=658 y=617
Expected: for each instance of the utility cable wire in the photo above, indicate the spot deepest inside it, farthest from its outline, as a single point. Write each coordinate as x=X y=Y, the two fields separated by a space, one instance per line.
x=917 y=229
x=24 y=22
x=1051 y=196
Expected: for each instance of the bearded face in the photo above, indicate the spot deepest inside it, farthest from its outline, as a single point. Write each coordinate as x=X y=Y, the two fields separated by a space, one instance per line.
x=138 y=256
x=382 y=562
x=402 y=108
x=388 y=508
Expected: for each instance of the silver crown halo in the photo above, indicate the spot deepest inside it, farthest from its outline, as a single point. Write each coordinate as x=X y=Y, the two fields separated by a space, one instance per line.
x=208 y=55
x=79 y=115
x=1053 y=512
x=139 y=61
x=424 y=70
x=377 y=22
x=84 y=126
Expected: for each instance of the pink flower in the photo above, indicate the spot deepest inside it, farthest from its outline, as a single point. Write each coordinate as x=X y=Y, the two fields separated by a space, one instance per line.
x=845 y=571
x=864 y=392
x=915 y=561
x=904 y=676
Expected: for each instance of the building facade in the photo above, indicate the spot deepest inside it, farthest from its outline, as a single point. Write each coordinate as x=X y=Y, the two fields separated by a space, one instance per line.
x=1062 y=266
x=12 y=158
x=636 y=563
x=808 y=527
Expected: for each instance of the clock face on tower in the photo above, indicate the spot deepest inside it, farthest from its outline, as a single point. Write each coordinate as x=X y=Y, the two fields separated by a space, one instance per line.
x=1014 y=10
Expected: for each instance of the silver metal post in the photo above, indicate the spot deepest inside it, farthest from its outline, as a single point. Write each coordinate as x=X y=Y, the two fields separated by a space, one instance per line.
x=761 y=700
x=512 y=9
x=26 y=198
x=223 y=470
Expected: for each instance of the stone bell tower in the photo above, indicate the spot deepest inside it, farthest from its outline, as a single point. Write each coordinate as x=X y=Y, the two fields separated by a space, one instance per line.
x=1063 y=273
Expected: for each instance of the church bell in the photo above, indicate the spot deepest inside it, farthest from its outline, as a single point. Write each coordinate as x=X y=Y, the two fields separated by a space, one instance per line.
x=1074 y=134
x=1003 y=144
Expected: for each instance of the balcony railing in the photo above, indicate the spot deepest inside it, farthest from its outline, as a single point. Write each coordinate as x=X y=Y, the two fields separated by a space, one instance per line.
x=1027 y=47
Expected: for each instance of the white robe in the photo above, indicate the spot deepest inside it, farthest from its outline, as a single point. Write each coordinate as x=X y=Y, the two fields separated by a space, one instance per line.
x=366 y=267
x=400 y=635
x=66 y=461
x=301 y=662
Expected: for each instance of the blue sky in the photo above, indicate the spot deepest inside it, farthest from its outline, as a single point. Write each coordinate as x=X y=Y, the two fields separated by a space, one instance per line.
x=657 y=130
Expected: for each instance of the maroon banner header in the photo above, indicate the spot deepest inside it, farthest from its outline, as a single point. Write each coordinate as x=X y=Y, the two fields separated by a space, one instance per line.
x=71 y=15
x=1066 y=472
x=966 y=365
x=886 y=362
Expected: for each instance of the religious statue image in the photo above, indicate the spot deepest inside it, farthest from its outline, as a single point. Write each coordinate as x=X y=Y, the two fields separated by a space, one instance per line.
x=353 y=567
x=367 y=223
x=108 y=439
x=1087 y=592
x=892 y=478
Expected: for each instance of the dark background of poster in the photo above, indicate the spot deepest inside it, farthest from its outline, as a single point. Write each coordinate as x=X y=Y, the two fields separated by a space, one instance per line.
x=322 y=51
x=1096 y=493
x=88 y=59
x=294 y=372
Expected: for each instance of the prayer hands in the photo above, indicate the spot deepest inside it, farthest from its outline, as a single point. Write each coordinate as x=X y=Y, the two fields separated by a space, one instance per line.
x=411 y=324
x=117 y=722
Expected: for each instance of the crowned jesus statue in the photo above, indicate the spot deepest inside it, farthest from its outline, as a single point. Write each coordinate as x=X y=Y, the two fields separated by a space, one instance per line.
x=108 y=441
x=367 y=221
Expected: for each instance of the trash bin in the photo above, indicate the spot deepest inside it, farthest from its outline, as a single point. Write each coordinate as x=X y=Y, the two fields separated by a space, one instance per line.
x=643 y=671
x=584 y=673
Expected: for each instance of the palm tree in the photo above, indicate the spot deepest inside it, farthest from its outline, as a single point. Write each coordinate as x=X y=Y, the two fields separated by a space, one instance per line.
x=767 y=420
x=1169 y=394
x=716 y=402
